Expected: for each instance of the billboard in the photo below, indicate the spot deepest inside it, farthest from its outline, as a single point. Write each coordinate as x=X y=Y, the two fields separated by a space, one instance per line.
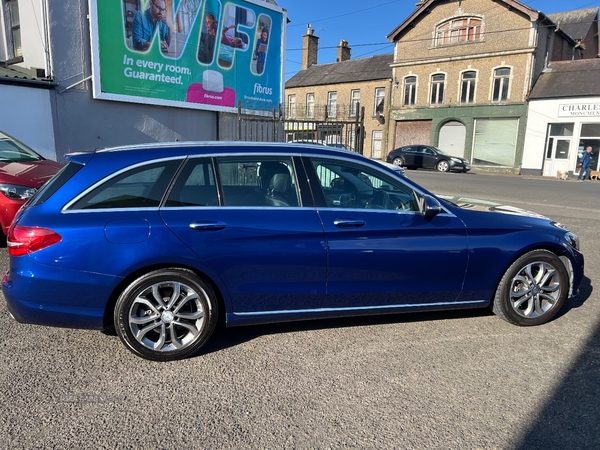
x=202 y=54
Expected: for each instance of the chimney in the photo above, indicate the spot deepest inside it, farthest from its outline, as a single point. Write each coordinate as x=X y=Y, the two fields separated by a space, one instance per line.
x=343 y=51
x=310 y=48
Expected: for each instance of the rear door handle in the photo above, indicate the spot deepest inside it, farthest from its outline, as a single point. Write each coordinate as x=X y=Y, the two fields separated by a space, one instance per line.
x=348 y=223
x=208 y=226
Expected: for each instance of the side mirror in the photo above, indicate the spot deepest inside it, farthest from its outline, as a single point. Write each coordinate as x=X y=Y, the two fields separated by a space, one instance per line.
x=430 y=207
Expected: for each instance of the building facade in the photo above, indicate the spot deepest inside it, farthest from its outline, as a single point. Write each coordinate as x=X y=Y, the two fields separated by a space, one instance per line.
x=462 y=71
x=322 y=97
x=563 y=118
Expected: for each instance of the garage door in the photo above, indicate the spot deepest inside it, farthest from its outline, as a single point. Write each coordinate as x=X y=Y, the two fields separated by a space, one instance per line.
x=452 y=138
x=412 y=132
x=495 y=142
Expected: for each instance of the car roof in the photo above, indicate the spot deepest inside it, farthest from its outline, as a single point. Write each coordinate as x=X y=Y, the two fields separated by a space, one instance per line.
x=130 y=154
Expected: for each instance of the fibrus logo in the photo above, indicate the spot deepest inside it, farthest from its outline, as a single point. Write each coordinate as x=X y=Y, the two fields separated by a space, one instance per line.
x=260 y=89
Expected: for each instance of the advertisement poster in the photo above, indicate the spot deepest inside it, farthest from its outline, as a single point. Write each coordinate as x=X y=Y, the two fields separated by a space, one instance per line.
x=202 y=54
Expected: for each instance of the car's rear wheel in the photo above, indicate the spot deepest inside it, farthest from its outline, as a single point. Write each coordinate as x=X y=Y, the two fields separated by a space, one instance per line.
x=166 y=314
x=443 y=166
x=398 y=161
x=532 y=290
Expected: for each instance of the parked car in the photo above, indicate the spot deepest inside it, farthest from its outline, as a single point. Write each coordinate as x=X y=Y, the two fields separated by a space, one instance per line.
x=160 y=241
x=22 y=172
x=427 y=157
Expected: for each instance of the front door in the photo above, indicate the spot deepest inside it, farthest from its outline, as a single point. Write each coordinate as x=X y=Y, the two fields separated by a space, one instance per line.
x=381 y=251
x=557 y=156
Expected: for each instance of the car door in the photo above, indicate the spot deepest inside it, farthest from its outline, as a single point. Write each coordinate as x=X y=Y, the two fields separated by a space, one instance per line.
x=409 y=154
x=270 y=258
x=382 y=251
x=430 y=158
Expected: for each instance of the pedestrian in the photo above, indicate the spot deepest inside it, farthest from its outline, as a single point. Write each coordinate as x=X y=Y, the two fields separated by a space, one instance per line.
x=586 y=165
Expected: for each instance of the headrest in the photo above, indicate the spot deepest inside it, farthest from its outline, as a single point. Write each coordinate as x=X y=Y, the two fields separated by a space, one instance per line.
x=280 y=182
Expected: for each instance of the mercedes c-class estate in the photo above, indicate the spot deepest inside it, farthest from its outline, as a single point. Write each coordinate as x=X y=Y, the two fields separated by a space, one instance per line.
x=162 y=241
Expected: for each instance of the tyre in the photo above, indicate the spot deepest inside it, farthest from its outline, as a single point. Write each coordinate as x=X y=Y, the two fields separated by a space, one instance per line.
x=532 y=290
x=398 y=161
x=443 y=166
x=166 y=314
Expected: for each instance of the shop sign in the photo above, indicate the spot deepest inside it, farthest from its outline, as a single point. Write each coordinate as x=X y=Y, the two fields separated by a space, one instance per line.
x=579 y=110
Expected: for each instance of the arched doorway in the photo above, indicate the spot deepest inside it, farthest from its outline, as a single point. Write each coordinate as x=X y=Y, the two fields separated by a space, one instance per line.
x=452 y=138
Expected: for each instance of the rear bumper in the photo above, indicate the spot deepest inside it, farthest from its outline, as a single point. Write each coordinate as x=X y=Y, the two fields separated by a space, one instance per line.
x=44 y=299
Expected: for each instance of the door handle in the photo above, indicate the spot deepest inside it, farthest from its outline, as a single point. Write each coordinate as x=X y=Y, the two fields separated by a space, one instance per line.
x=348 y=223
x=207 y=226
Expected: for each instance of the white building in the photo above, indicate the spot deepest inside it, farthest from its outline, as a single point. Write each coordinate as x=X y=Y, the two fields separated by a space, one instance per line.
x=563 y=118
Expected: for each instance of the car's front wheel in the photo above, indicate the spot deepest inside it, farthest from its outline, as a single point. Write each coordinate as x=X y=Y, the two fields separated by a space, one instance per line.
x=166 y=314
x=532 y=290
x=443 y=166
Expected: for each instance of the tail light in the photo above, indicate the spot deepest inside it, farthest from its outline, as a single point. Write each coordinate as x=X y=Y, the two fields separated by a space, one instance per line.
x=24 y=240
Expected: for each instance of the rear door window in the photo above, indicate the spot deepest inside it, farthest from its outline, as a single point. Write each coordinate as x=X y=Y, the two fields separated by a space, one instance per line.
x=195 y=185
x=258 y=181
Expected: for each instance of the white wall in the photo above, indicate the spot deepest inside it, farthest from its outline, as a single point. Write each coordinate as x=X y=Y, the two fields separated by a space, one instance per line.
x=29 y=117
x=543 y=112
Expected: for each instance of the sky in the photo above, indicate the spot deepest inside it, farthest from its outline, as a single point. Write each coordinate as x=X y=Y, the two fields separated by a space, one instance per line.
x=365 y=25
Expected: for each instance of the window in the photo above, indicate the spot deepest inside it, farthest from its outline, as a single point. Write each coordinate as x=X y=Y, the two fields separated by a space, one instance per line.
x=195 y=186
x=291 y=106
x=458 y=30
x=376 y=144
x=437 y=88
x=379 y=101
x=410 y=91
x=590 y=136
x=141 y=187
x=310 y=106
x=501 y=83
x=332 y=104
x=467 y=88
x=258 y=182
x=348 y=185
x=13 y=27
x=354 y=102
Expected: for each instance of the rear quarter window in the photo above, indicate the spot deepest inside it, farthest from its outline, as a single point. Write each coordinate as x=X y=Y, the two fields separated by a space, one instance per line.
x=140 y=187
x=55 y=183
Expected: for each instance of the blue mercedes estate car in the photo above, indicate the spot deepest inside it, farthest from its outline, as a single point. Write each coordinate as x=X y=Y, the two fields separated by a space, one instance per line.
x=160 y=241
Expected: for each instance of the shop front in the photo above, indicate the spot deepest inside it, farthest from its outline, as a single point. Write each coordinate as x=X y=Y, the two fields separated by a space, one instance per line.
x=558 y=133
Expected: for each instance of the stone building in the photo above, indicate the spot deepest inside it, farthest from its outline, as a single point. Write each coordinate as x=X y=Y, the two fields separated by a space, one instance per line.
x=461 y=73
x=322 y=95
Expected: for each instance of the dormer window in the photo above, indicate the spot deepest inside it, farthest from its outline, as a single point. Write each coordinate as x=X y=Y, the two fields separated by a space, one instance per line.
x=458 y=30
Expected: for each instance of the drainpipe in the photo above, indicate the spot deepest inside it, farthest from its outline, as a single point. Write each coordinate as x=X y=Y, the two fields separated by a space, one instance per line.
x=46 y=37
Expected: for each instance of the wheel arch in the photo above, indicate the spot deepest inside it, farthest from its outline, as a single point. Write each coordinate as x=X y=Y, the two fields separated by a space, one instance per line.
x=108 y=318
x=556 y=249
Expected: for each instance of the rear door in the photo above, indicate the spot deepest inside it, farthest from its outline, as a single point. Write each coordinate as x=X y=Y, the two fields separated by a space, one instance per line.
x=270 y=258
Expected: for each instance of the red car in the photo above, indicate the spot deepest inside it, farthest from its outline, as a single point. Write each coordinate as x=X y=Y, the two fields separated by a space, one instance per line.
x=22 y=172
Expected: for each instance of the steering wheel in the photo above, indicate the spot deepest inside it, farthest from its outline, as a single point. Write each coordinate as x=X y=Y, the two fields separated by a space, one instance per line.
x=379 y=200
x=346 y=200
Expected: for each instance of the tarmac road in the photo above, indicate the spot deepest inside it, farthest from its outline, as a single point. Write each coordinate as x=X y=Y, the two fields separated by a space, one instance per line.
x=441 y=380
